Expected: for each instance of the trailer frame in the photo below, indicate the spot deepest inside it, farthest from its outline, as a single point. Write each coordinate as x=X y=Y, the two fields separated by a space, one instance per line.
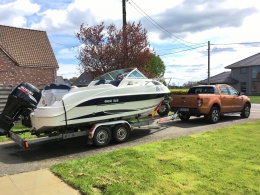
x=91 y=133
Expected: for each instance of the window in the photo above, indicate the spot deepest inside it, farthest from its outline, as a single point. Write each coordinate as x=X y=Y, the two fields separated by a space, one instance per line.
x=224 y=90
x=243 y=87
x=206 y=90
x=243 y=70
x=136 y=74
x=232 y=91
x=256 y=79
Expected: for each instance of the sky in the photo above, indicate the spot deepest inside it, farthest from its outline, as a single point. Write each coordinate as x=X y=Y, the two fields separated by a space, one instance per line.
x=178 y=30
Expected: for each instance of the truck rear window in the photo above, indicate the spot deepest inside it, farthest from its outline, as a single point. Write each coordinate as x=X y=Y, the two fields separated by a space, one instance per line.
x=201 y=90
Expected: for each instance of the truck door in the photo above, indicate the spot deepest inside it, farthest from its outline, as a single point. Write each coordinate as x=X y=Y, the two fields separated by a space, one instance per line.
x=226 y=99
x=237 y=101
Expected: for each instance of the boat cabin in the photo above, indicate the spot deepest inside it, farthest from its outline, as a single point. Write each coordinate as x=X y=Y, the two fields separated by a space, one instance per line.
x=115 y=77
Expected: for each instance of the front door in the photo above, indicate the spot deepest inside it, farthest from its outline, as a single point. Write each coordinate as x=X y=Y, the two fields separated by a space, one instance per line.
x=226 y=99
x=237 y=101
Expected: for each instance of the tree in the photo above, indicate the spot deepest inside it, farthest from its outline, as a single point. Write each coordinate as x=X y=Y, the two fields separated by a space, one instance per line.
x=190 y=84
x=73 y=79
x=156 y=68
x=106 y=51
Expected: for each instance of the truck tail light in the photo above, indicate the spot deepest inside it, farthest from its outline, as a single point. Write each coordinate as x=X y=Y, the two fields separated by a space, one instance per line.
x=199 y=101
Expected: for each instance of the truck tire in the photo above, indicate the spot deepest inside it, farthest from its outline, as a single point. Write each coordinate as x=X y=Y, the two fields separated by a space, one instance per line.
x=246 y=111
x=121 y=133
x=184 y=117
x=213 y=116
x=164 y=109
x=102 y=136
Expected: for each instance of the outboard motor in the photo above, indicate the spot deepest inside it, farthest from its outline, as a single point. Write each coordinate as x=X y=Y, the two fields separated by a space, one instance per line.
x=22 y=99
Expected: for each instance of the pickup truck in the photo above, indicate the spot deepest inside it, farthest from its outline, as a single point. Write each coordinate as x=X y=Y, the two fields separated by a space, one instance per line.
x=210 y=101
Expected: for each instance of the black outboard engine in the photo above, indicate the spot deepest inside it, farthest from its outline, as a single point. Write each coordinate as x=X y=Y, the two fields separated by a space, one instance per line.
x=23 y=98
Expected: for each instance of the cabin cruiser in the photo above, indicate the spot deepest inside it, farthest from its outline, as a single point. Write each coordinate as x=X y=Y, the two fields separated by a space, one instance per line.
x=119 y=94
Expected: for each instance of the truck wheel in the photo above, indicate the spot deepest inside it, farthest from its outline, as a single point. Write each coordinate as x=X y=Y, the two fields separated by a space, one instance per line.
x=214 y=115
x=184 y=117
x=121 y=133
x=164 y=109
x=246 y=111
x=102 y=136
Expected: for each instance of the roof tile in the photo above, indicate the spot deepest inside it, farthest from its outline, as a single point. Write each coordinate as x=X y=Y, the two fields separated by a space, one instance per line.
x=27 y=47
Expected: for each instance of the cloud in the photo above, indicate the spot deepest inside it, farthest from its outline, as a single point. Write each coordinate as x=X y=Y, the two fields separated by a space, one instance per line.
x=68 y=20
x=216 y=50
x=197 y=16
x=68 y=70
x=67 y=53
x=14 y=13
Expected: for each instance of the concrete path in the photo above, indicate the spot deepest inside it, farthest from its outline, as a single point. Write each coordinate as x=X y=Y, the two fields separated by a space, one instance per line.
x=41 y=182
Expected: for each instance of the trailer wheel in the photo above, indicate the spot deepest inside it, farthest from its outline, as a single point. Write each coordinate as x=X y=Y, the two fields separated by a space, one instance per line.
x=102 y=136
x=164 y=109
x=121 y=133
x=184 y=117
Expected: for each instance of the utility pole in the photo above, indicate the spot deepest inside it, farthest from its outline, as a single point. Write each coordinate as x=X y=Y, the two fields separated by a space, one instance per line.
x=208 y=61
x=124 y=33
x=124 y=12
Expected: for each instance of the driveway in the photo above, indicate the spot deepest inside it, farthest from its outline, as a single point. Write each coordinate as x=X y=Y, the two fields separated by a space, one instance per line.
x=14 y=159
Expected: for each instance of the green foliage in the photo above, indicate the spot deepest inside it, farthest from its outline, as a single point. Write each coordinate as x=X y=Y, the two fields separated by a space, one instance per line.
x=190 y=84
x=156 y=68
x=255 y=99
x=224 y=161
x=73 y=79
x=26 y=135
x=179 y=91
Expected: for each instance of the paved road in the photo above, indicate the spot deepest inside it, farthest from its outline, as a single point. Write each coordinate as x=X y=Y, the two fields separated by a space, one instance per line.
x=14 y=159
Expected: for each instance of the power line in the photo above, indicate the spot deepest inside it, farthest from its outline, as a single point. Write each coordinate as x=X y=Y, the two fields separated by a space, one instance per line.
x=72 y=46
x=236 y=43
x=183 y=50
x=164 y=30
x=242 y=43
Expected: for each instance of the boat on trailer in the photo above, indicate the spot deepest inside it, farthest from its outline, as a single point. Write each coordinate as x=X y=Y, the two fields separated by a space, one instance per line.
x=114 y=96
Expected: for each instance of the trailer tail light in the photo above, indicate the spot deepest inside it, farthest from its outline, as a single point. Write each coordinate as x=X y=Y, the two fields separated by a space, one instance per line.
x=91 y=133
x=199 y=101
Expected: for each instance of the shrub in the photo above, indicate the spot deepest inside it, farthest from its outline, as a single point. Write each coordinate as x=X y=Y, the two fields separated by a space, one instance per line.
x=179 y=91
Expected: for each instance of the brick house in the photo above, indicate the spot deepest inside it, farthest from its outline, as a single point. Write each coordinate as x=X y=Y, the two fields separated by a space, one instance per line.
x=26 y=56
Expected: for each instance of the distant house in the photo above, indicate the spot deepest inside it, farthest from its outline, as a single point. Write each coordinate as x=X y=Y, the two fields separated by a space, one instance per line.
x=244 y=75
x=83 y=80
x=26 y=56
x=61 y=80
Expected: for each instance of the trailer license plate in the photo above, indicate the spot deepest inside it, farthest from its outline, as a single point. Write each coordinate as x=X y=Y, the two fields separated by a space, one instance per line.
x=184 y=109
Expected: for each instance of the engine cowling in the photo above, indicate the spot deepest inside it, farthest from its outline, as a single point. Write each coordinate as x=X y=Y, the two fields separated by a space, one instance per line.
x=23 y=98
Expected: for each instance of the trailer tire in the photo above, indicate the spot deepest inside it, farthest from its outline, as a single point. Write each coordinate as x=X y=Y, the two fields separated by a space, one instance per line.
x=184 y=117
x=164 y=109
x=121 y=133
x=102 y=136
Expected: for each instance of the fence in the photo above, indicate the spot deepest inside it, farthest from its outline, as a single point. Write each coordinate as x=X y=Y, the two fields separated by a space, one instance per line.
x=4 y=92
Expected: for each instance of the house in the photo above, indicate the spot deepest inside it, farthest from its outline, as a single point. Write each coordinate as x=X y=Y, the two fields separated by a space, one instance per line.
x=83 y=80
x=26 y=56
x=244 y=75
x=61 y=80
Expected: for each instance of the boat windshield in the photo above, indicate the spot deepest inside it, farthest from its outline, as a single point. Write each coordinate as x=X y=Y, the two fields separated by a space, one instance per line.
x=126 y=73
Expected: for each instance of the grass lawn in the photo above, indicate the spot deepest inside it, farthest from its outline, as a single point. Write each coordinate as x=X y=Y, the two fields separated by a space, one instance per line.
x=255 y=99
x=224 y=161
x=18 y=128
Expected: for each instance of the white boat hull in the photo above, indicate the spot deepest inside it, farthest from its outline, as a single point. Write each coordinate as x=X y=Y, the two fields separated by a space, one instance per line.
x=101 y=103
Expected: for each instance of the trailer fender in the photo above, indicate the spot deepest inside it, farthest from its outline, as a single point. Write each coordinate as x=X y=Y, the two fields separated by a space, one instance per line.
x=95 y=126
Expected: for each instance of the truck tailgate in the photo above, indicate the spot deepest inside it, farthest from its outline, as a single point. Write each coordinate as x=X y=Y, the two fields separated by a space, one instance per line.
x=184 y=101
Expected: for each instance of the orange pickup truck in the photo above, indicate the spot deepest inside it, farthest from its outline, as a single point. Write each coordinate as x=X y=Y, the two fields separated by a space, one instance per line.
x=210 y=101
